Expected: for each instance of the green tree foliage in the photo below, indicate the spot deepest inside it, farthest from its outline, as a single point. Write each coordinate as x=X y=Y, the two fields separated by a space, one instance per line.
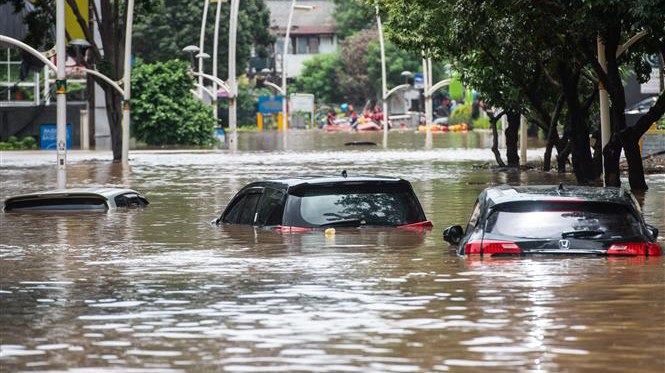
x=352 y=16
x=164 y=111
x=174 y=24
x=353 y=74
x=319 y=76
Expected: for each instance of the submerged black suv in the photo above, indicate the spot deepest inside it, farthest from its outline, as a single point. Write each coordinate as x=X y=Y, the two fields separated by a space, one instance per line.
x=555 y=220
x=310 y=202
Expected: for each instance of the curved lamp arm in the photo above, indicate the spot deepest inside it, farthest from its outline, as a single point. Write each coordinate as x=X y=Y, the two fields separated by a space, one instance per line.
x=401 y=86
x=219 y=82
x=275 y=87
x=438 y=86
x=29 y=49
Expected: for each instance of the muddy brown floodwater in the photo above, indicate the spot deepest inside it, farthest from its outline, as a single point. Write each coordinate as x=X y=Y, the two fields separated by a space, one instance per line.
x=161 y=290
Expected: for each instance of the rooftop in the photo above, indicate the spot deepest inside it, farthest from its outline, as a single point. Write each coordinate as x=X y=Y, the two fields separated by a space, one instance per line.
x=316 y=21
x=507 y=193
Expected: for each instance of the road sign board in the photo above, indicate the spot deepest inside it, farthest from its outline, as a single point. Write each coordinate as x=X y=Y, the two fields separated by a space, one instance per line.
x=48 y=137
x=418 y=81
x=270 y=104
x=302 y=102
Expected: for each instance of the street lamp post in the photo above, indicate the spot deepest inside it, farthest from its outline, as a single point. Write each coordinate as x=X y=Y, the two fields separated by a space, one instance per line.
x=233 y=139
x=201 y=43
x=214 y=57
x=287 y=41
x=127 y=82
x=384 y=89
x=61 y=91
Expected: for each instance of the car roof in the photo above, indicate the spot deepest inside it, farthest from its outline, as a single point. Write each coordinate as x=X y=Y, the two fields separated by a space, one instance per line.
x=106 y=193
x=326 y=179
x=506 y=193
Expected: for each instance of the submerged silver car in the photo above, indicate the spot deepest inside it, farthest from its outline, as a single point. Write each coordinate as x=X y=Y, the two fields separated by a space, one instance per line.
x=86 y=199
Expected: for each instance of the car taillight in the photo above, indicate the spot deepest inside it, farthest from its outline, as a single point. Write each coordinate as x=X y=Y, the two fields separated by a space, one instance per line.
x=492 y=247
x=417 y=226
x=635 y=248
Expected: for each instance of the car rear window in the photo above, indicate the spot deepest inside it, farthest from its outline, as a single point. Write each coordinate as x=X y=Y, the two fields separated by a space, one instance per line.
x=62 y=203
x=360 y=204
x=589 y=220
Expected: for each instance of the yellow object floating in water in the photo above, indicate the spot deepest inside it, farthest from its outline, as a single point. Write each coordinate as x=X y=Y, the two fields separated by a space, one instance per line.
x=330 y=232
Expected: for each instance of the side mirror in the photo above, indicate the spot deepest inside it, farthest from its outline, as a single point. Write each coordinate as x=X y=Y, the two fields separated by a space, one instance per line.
x=653 y=231
x=453 y=234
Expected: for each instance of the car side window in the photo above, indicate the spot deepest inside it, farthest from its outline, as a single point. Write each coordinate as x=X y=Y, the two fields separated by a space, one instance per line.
x=473 y=220
x=233 y=214
x=248 y=212
x=271 y=207
x=130 y=200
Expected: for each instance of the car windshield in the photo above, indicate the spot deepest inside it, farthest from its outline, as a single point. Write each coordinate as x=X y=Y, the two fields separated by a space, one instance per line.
x=586 y=220
x=359 y=205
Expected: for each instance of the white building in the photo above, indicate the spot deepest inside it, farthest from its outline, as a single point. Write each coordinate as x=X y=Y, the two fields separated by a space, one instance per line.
x=312 y=32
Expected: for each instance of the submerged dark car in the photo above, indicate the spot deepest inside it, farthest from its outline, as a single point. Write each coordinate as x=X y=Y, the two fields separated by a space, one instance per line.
x=311 y=202
x=571 y=220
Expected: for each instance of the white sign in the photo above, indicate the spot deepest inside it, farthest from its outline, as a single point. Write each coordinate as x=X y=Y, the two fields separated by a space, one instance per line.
x=652 y=86
x=302 y=102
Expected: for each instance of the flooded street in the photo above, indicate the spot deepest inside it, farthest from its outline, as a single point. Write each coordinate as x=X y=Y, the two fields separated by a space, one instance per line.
x=160 y=289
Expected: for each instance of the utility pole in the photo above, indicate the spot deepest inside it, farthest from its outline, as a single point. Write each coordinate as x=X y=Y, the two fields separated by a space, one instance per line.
x=61 y=94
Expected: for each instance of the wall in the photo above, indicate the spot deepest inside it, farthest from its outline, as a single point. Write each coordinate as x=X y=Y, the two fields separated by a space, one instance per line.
x=25 y=121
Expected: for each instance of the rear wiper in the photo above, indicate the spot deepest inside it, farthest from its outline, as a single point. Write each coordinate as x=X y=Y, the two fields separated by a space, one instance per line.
x=582 y=233
x=344 y=223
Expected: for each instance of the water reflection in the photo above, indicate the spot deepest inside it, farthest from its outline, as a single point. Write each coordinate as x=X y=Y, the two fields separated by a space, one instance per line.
x=160 y=289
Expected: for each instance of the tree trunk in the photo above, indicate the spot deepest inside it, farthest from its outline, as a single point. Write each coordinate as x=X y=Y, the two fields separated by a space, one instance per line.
x=579 y=129
x=512 y=139
x=611 y=156
x=562 y=155
x=495 y=139
x=114 y=115
x=635 y=167
x=552 y=140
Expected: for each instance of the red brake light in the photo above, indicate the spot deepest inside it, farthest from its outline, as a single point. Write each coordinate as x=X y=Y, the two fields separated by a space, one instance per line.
x=417 y=226
x=635 y=248
x=492 y=247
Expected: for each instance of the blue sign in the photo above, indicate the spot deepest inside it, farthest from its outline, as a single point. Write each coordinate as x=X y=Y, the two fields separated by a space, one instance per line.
x=48 y=136
x=418 y=81
x=270 y=104
x=220 y=134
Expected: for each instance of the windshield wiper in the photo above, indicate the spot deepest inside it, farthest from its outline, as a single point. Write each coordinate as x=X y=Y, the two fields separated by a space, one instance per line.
x=344 y=223
x=576 y=234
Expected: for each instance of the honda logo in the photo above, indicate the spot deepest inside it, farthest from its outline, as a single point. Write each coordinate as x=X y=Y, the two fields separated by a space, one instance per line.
x=564 y=244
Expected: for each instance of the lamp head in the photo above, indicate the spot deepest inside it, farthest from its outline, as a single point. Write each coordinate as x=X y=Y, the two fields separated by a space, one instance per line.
x=80 y=43
x=191 y=49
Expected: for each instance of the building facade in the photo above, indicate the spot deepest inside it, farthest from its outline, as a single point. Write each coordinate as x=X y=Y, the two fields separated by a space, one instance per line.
x=312 y=32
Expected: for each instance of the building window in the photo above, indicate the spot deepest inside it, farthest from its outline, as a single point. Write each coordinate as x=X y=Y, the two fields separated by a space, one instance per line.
x=307 y=44
x=301 y=43
x=314 y=44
